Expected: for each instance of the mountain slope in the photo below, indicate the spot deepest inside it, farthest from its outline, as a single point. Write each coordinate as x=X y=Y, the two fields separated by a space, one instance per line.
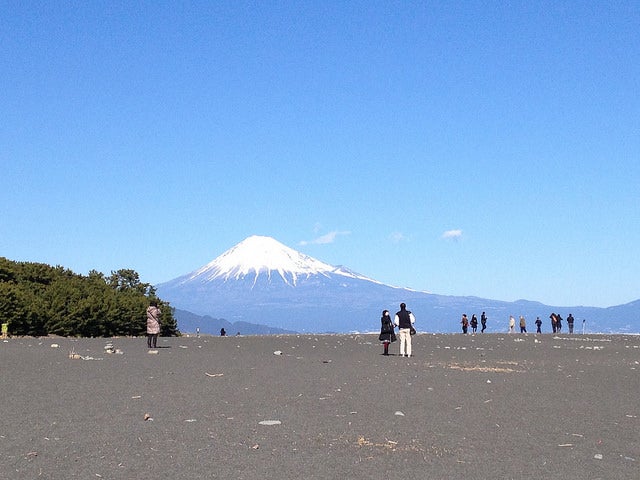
x=190 y=323
x=259 y=256
x=262 y=281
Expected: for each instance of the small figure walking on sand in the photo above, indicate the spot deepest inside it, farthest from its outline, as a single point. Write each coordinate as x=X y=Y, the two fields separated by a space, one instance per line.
x=483 y=322
x=387 y=334
x=223 y=333
x=474 y=323
x=153 y=324
x=404 y=319
x=523 y=325
x=570 y=321
x=512 y=324
x=465 y=323
x=554 y=322
x=538 y=325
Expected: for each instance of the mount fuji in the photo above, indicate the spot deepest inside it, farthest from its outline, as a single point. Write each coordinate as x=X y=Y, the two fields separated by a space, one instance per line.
x=261 y=281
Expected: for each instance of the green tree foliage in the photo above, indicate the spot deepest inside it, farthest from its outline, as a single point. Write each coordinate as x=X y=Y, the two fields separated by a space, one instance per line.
x=38 y=299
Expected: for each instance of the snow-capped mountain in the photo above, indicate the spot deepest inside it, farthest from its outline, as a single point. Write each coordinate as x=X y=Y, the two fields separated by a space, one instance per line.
x=261 y=281
x=256 y=256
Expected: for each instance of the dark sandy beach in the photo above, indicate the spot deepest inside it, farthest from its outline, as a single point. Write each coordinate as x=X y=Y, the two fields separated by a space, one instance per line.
x=475 y=407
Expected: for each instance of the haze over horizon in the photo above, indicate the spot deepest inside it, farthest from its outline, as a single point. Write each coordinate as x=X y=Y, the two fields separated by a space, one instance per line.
x=466 y=149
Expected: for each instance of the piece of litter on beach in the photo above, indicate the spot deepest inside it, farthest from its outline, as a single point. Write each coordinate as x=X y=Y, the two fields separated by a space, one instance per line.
x=147 y=417
x=190 y=420
x=488 y=381
x=487 y=401
x=399 y=413
x=136 y=396
x=183 y=346
x=256 y=446
x=152 y=352
x=213 y=374
x=598 y=456
x=566 y=445
x=277 y=352
x=270 y=422
x=55 y=345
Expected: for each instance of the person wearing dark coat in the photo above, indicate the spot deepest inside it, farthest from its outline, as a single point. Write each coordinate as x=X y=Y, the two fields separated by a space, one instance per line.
x=404 y=320
x=570 y=321
x=474 y=323
x=387 y=334
x=538 y=325
x=483 y=322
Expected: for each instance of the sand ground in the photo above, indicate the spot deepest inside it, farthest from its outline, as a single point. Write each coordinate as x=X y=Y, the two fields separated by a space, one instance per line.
x=475 y=407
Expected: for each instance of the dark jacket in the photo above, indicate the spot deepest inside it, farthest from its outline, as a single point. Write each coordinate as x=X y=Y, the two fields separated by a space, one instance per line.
x=386 y=330
x=404 y=319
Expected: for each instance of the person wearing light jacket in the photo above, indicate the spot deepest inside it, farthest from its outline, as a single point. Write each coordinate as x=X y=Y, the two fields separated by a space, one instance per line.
x=153 y=324
x=404 y=320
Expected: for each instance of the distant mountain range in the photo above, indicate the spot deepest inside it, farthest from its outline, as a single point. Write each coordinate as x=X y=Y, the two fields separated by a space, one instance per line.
x=269 y=286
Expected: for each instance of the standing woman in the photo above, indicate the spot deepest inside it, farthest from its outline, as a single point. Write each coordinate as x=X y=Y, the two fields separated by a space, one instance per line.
x=387 y=335
x=474 y=323
x=153 y=324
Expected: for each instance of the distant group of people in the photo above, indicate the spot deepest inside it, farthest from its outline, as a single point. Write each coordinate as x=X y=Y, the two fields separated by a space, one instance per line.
x=404 y=320
x=522 y=324
x=556 y=323
x=473 y=323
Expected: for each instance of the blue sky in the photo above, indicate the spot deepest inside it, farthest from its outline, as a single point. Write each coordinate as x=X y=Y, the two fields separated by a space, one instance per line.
x=463 y=148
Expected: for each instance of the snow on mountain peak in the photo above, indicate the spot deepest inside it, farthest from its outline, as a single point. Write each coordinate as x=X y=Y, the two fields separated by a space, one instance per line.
x=265 y=255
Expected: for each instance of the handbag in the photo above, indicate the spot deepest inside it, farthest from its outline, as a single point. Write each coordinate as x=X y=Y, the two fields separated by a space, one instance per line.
x=412 y=331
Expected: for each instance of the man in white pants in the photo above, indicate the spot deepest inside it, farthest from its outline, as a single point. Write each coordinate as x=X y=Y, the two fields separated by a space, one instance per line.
x=404 y=319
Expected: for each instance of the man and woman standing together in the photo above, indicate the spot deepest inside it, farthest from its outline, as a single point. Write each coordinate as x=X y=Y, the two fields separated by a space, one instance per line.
x=404 y=320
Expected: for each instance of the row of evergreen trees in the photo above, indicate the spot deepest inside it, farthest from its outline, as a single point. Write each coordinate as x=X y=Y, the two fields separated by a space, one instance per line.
x=37 y=299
